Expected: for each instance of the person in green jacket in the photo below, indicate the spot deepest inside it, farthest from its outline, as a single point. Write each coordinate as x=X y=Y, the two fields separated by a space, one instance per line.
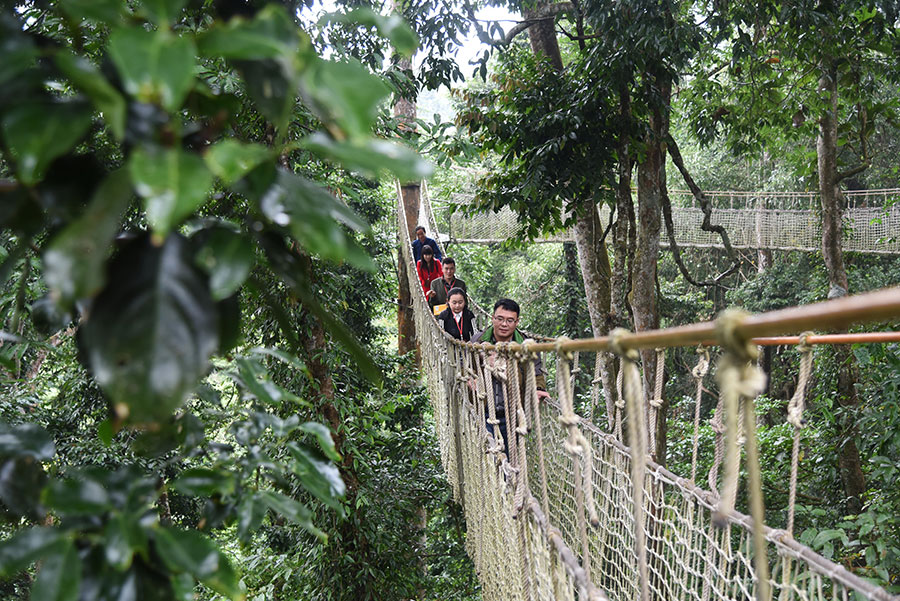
x=504 y=328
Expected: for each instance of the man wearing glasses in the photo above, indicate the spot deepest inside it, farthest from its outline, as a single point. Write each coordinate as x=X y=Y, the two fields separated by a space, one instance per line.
x=503 y=328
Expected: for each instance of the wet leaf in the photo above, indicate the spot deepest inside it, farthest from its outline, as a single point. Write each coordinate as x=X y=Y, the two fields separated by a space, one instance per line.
x=155 y=66
x=227 y=257
x=87 y=78
x=230 y=160
x=75 y=260
x=345 y=93
x=59 y=578
x=25 y=547
x=38 y=132
x=292 y=510
x=151 y=331
x=191 y=552
x=172 y=182
x=371 y=156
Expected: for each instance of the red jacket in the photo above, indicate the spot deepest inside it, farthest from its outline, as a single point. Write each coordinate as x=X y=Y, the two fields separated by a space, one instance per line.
x=426 y=276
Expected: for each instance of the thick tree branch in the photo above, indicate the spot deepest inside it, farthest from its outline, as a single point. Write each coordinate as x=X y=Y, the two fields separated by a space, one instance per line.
x=842 y=175
x=547 y=12
x=706 y=226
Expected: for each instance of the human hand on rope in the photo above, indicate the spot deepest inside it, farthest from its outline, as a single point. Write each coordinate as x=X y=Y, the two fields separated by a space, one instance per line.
x=543 y=394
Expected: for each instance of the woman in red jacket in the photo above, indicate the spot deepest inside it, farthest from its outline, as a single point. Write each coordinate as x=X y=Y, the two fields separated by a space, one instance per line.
x=428 y=269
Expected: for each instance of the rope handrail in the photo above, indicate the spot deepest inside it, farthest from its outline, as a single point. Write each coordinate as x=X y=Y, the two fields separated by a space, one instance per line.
x=640 y=531
x=869 y=307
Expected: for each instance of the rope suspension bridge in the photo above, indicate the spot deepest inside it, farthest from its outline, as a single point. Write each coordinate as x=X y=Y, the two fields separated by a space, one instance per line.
x=753 y=220
x=564 y=510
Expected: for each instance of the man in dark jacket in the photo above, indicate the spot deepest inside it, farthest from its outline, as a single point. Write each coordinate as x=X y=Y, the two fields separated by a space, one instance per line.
x=443 y=285
x=503 y=328
x=420 y=242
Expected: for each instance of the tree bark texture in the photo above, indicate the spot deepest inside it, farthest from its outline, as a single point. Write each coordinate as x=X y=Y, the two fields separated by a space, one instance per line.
x=849 y=464
x=542 y=35
x=352 y=540
x=623 y=229
x=651 y=173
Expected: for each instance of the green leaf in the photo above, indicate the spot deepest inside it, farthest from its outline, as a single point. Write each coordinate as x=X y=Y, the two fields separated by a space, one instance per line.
x=231 y=160
x=26 y=440
x=87 y=78
x=21 y=481
x=314 y=217
x=191 y=552
x=38 y=132
x=292 y=510
x=323 y=435
x=59 y=578
x=204 y=482
x=285 y=265
x=25 y=547
x=150 y=333
x=163 y=12
x=172 y=182
x=318 y=476
x=270 y=34
x=103 y=11
x=393 y=27
x=286 y=358
x=254 y=379
x=122 y=538
x=17 y=50
x=77 y=497
x=74 y=262
x=227 y=257
x=371 y=156
x=105 y=432
x=250 y=513
x=345 y=93
x=155 y=66
x=272 y=85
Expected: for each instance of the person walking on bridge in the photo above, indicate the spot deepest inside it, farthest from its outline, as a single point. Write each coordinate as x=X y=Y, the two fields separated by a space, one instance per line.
x=429 y=269
x=421 y=242
x=442 y=286
x=504 y=328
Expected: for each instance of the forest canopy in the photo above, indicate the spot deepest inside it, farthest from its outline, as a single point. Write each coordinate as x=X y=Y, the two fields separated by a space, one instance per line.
x=202 y=395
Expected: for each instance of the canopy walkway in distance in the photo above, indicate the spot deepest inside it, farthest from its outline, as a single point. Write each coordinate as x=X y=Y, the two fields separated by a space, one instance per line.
x=564 y=510
x=753 y=220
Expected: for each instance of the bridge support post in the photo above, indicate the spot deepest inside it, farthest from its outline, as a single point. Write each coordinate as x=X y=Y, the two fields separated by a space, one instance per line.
x=406 y=324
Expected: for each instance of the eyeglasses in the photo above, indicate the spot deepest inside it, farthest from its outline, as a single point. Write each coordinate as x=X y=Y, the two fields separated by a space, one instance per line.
x=510 y=321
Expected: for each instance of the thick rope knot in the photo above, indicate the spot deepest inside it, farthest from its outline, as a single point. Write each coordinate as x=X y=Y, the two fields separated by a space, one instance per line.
x=727 y=332
x=569 y=419
x=567 y=355
x=656 y=403
x=616 y=339
x=702 y=368
x=804 y=344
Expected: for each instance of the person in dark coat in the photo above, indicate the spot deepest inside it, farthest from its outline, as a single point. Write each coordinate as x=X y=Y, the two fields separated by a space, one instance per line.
x=457 y=319
x=421 y=242
x=442 y=286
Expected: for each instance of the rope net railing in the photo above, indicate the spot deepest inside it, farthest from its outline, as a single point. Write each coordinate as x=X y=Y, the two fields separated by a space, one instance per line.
x=753 y=220
x=563 y=509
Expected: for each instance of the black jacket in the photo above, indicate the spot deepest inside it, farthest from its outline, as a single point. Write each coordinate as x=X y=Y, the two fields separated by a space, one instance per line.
x=445 y=317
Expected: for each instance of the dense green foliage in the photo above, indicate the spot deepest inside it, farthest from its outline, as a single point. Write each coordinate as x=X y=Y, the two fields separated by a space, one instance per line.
x=186 y=210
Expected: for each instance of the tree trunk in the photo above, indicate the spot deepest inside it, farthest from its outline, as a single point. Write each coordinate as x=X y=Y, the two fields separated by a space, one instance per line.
x=352 y=541
x=623 y=228
x=405 y=111
x=406 y=324
x=543 y=36
x=651 y=181
x=571 y=327
x=849 y=463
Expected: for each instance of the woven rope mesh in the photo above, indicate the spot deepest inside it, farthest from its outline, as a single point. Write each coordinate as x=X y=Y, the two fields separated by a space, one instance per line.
x=529 y=545
x=770 y=220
